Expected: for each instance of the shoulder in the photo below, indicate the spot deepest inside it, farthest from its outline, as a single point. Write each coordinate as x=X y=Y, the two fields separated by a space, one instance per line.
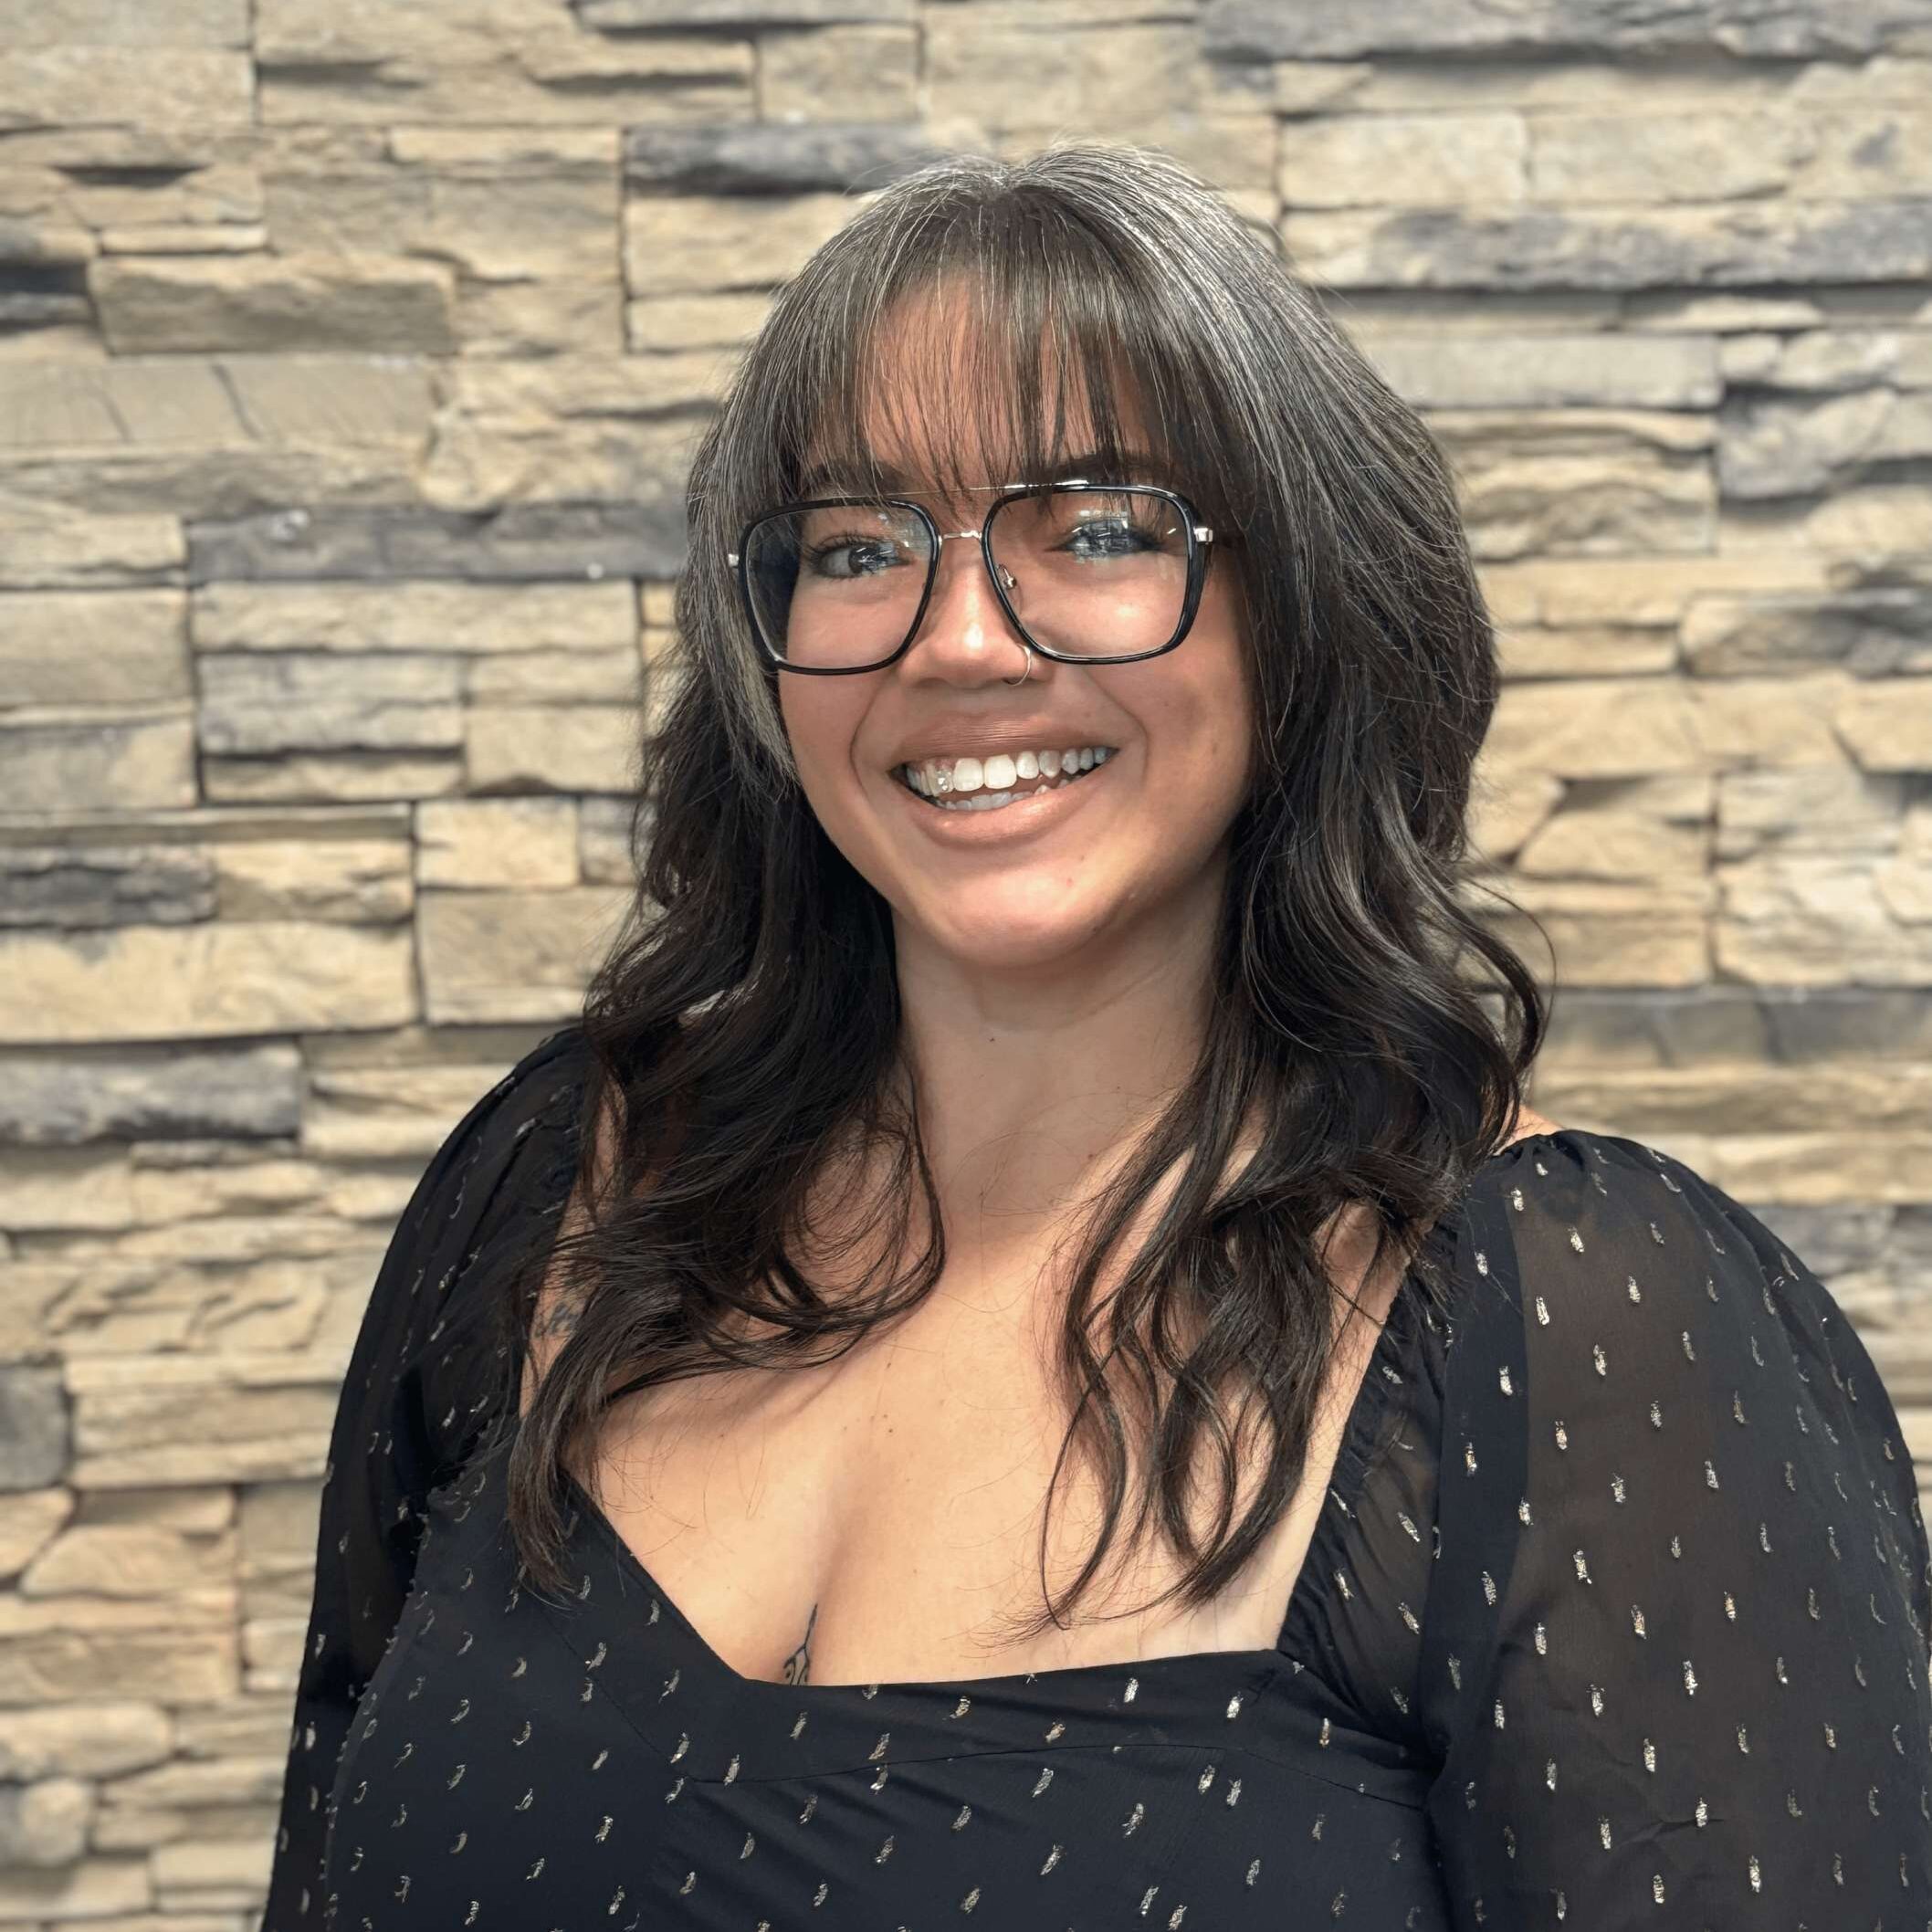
x=1629 y=1286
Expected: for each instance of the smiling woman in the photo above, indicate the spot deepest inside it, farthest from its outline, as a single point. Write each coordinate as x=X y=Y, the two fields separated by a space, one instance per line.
x=1026 y=1356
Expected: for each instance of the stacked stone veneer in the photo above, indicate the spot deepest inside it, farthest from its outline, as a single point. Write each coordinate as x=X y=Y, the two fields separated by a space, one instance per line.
x=351 y=352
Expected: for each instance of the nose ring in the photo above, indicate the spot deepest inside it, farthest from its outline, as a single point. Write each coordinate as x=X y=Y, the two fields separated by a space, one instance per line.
x=1026 y=671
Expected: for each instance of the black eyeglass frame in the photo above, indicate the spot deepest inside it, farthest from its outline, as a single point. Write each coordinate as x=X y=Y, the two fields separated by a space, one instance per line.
x=1199 y=537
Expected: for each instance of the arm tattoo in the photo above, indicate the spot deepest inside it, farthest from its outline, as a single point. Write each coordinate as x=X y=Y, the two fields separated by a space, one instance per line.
x=798 y=1666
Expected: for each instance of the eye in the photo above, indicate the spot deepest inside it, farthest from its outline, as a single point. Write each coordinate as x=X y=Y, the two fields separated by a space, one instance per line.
x=852 y=555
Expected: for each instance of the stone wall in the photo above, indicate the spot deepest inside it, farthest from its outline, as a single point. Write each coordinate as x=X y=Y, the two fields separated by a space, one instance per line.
x=349 y=355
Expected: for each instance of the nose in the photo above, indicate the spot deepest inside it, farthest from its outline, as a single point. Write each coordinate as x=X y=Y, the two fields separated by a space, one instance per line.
x=965 y=635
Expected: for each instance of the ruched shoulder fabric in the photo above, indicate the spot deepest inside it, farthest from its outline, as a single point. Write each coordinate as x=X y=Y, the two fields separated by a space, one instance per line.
x=1674 y=1662
x=419 y=1384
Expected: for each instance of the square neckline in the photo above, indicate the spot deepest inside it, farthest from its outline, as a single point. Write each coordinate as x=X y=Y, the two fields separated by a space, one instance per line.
x=1351 y=1465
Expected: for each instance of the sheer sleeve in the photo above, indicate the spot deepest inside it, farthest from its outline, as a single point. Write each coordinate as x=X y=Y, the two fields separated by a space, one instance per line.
x=415 y=1394
x=1675 y=1655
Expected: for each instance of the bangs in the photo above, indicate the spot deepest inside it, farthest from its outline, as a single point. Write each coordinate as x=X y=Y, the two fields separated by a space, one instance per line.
x=1000 y=361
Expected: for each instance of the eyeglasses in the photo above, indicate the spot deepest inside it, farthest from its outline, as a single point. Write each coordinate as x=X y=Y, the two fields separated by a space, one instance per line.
x=1086 y=573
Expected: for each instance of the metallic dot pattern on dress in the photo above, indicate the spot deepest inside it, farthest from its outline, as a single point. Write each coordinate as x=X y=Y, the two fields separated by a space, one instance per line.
x=1616 y=1614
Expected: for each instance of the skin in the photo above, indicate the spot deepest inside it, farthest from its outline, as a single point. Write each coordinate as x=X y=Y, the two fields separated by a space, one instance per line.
x=1053 y=988
x=1053 y=991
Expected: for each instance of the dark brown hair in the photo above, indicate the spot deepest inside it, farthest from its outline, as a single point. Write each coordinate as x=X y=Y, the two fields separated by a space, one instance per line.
x=747 y=1022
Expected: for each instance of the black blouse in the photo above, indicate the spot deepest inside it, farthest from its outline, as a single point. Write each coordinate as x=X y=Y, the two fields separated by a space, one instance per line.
x=1618 y=1618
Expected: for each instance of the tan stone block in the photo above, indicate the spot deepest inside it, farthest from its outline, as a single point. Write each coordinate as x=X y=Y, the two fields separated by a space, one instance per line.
x=1644 y=590
x=77 y=757
x=1865 y=519
x=84 y=1740
x=575 y=427
x=258 y=702
x=1886 y=724
x=194 y=1784
x=45 y=1189
x=1584 y=651
x=418 y=616
x=1812 y=153
x=1823 y=809
x=608 y=677
x=127 y=1561
x=514 y=955
x=350 y=777
x=1581 y=480
x=87 y=1891
x=206 y=1873
x=1624 y=727
x=200 y=88
x=203 y=199
x=839 y=73
x=352 y=881
x=672 y=323
x=184 y=241
x=1738 y=1101
x=351 y=399
x=41 y=549
x=1768 y=721
x=30 y=1520
x=1796 y=918
x=119 y=436
x=204 y=1425
x=1607 y=842
x=521 y=216
x=492 y=151
x=604 y=847
x=48 y=1825
x=1548 y=370
x=1048 y=75
x=313 y=302
x=562 y=748
x=689 y=244
x=1664 y=156
x=390 y=1113
x=1608 y=933
x=561 y=316
x=203 y=981
x=1413 y=159
x=114 y=23
x=93 y=646
x=528 y=843
x=507 y=61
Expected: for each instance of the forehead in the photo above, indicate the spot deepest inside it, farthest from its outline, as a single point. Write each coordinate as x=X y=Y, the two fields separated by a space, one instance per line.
x=941 y=402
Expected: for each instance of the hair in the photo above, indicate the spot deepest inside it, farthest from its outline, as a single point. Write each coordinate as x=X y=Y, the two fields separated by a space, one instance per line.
x=743 y=1031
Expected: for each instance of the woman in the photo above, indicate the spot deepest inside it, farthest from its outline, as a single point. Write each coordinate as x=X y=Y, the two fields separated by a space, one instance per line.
x=1232 y=1466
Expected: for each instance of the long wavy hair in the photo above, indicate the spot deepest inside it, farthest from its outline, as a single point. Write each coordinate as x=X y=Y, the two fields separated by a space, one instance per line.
x=743 y=1033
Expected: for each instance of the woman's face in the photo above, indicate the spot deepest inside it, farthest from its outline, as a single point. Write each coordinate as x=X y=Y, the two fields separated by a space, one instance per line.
x=1131 y=852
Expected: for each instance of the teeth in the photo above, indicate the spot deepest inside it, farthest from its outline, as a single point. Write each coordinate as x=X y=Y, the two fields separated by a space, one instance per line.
x=939 y=778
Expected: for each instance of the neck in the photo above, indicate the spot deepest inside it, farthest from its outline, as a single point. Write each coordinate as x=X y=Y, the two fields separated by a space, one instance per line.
x=1034 y=1085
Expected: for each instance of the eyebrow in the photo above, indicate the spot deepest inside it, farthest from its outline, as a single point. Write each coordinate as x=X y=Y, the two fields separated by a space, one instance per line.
x=1137 y=465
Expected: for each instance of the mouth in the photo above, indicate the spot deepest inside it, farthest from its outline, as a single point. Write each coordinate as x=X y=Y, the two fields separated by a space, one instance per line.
x=985 y=799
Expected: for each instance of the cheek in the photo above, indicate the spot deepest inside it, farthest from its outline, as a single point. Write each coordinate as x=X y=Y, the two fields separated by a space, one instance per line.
x=821 y=721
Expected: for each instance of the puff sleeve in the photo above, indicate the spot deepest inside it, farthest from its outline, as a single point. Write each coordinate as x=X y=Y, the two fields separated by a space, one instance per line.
x=1675 y=1655
x=417 y=1388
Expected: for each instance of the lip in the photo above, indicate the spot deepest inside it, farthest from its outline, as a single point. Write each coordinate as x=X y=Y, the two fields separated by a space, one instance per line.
x=1025 y=818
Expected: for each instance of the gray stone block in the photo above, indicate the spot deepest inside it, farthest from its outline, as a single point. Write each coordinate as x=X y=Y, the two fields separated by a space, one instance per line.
x=751 y=157
x=742 y=13
x=85 y=885
x=1778 y=245
x=137 y=1093
x=34 y=1442
x=522 y=542
x=1783 y=29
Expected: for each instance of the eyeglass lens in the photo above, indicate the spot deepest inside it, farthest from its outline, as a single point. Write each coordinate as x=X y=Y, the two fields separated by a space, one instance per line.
x=1090 y=572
